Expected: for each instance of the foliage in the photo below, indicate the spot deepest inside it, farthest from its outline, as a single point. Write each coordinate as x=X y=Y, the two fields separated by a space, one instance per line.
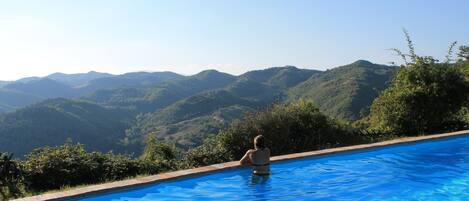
x=210 y=152
x=288 y=128
x=463 y=66
x=69 y=165
x=10 y=177
x=157 y=151
x=464 y=52
x=463 y=61
x=424 y=97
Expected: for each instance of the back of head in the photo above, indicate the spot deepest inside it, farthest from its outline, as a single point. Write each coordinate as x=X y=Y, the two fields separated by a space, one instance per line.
x=259 y=142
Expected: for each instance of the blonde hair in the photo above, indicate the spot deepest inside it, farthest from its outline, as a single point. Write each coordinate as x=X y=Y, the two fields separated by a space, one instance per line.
x=259 y=142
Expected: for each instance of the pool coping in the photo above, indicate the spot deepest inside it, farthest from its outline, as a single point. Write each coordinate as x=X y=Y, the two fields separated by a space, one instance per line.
x=137 y=182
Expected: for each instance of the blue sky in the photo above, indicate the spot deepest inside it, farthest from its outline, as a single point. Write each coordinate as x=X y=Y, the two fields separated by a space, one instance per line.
x=234 y=36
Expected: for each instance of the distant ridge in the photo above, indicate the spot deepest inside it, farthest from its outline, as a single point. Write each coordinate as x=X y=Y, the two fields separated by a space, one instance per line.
x=60 y=85
x=44 y=87
x=120 y=110
x=77 y=78
x=3 y=83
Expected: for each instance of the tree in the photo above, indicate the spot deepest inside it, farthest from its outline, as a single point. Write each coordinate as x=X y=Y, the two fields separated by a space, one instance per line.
x=157 y=151
x=10 y=176
x=463 y=66
x=464 y=52
x=425 y=96
x=463 y=61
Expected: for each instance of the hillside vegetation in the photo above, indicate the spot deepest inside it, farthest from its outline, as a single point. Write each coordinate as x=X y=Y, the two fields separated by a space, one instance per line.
x=11 y=99
x=189 y=120
x=181 y=109
x=346 y=92
x=52 y=122
x=149 y=99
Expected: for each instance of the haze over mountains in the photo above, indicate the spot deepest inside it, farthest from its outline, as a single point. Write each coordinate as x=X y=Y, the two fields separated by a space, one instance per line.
x=115 y=112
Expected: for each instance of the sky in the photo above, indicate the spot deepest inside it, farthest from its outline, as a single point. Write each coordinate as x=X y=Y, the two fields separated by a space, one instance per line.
x=38 y=38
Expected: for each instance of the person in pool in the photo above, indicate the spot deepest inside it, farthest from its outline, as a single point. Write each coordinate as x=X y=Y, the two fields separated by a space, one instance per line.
x=258 y=158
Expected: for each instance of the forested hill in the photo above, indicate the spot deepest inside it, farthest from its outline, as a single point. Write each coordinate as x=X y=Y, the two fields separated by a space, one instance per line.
x=149 y=99
x=27 y=91
x=53 y=121
x=45 y=88
x=117 y=112
x=346 y=92
x=196 y=117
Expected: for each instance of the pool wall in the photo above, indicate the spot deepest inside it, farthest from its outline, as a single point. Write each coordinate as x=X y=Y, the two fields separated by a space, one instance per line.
x=142 y=181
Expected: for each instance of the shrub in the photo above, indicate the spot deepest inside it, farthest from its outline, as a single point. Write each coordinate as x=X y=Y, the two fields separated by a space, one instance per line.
x=10 y=176
x=157 y=151
x=109 y=166
x=424 y=97
x=210 y=152
x=49 y=168
x=69 y=165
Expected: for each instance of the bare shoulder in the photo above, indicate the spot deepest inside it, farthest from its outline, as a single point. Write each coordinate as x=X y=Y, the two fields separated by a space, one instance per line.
x=250 y=151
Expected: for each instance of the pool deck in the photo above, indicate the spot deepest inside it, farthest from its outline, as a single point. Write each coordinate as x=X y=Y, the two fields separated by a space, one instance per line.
x=136 y=182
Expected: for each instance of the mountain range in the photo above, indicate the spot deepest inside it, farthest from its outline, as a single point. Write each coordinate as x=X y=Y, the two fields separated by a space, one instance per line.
x=115 y=112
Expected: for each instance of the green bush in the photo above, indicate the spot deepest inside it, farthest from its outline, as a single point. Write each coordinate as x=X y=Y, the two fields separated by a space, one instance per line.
x=288 y=128
x=109 y=166
x=49 y=168
x=424 y=97
x=157 y=151
x=463 y=66
x=210 y=152
x=10 y=177
x=69 y=165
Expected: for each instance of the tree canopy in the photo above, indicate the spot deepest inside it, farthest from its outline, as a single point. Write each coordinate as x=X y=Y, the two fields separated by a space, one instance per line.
x=424 y=97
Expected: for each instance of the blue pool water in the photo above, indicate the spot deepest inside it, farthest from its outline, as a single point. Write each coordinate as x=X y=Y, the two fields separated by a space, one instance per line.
x=431 y=170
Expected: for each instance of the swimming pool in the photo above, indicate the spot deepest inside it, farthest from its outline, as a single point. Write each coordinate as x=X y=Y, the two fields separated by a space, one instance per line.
x=429 y=170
